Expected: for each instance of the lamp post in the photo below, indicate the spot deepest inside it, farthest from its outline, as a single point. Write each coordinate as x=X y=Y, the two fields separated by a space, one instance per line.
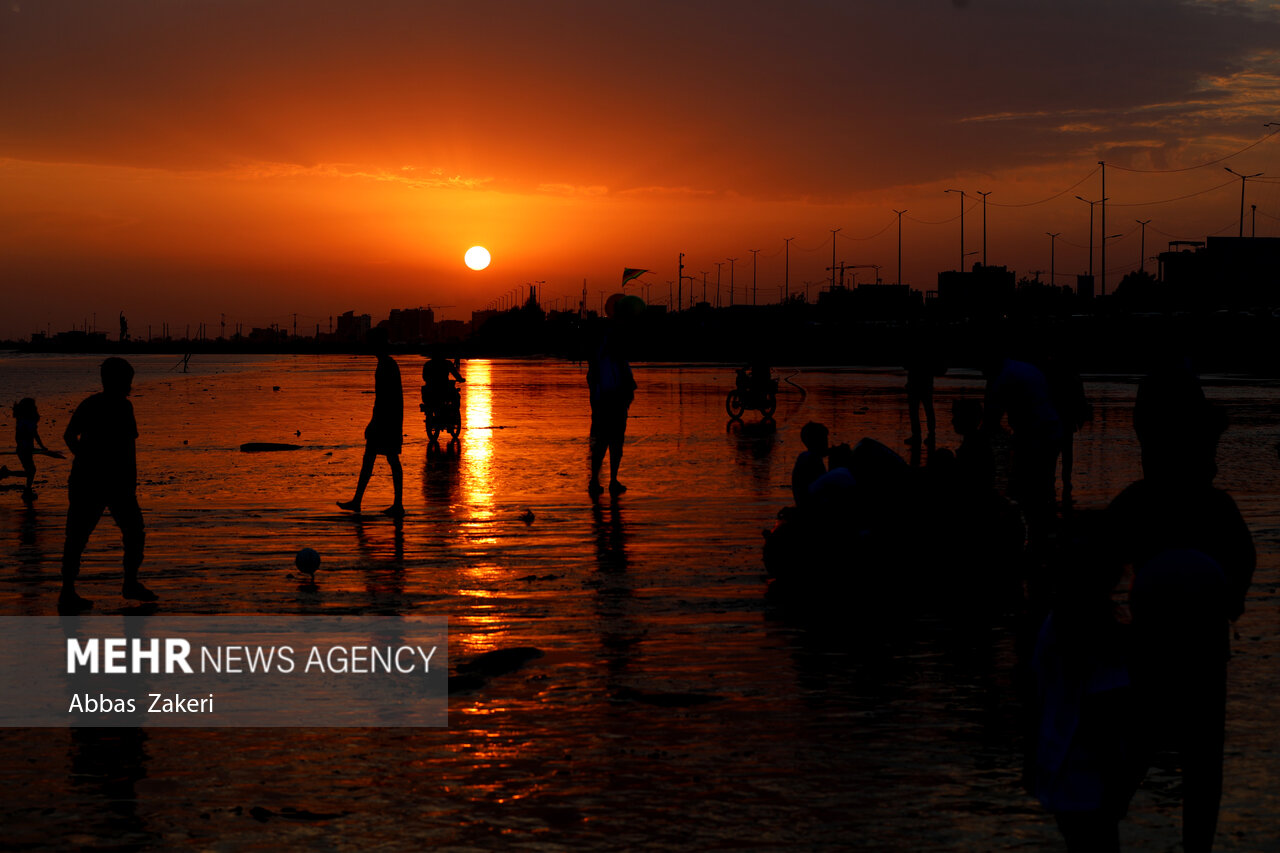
x=1142 y=250
x=1053 y=239
x=961 y=192
x=1243 y=179
x=1104 y=254
x=984 y=225
x=1091 y=204
x=833 y=257
x=731 y=260
x=899 y=212
x=754 y=254
x=786 y=270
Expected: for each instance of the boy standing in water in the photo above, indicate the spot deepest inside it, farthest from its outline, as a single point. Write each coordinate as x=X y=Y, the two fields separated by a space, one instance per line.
x=104 y=475
x=27 y=437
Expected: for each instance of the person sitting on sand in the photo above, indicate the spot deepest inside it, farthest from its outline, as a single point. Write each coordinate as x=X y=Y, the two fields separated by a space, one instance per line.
x=833 y=494
x=385 y=432
x=809 y=465
x=104 y=475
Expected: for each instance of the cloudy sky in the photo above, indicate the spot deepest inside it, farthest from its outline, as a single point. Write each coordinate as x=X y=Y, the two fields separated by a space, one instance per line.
x=184 y=159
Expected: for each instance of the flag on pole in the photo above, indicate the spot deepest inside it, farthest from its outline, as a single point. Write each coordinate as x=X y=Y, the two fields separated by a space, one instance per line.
x=628 y=273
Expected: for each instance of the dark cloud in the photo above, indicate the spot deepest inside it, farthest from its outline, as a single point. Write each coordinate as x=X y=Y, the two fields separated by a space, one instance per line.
x=814 y=99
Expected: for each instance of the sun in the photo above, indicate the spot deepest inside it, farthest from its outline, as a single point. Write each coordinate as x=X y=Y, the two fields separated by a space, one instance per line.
x=477 y=257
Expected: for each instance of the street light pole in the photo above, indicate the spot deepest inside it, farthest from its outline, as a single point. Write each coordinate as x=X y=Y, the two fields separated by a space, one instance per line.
x=754 y=254
x=1142 y=251
x=1242 y=178
x=1053 y=239
x=1091 y=204
x=786 y=274
x=731 y=260
x=833 y=258
x=719 y=264
x=984 y=224
x=899 y=212
x=961 y=227
x=1103 y=287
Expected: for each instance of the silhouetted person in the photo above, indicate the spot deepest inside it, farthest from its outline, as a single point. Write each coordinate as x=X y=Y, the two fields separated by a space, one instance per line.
x=385 y=432
x=438 y=377
x=833 y=495
x=104 y=475
x=921 y=367
x=1086 y=764
x=1019 y=390
x=612 y=387
x=27 y=436
x=809 y=465
x=1066 y=392
x=923 y=364
x=1193 y=560
x=975 y=460
x=761 y=377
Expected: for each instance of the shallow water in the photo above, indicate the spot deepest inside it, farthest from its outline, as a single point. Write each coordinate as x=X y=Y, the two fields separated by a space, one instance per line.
x=674 y=706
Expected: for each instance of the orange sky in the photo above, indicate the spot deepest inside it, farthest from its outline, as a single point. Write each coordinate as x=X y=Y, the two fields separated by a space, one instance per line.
x=181 y=160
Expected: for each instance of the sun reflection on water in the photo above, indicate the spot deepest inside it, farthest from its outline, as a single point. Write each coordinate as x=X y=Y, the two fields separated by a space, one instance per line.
x=477 y=449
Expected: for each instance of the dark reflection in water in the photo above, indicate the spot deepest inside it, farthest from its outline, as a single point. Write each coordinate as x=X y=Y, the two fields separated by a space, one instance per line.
x=675 y=704
x=106 y=766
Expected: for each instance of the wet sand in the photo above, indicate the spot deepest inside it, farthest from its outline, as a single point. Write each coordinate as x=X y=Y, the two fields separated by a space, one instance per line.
x=674 y=705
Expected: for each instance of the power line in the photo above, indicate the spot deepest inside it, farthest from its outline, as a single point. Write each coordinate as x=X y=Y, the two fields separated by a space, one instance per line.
x=1168 y=200
x=887 y=226
x=1052 y=197
x=1199 y=165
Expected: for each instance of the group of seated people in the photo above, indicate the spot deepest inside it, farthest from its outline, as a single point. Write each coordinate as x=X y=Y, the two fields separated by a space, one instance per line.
x=863 y=509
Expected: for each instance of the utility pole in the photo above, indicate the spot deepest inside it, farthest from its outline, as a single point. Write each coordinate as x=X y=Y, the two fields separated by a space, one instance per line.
x=1053 y=238
x=899 y=212
x=704 y=285
x=984 y=224
x=1243 y=179
x=1142 y=247
x=961 y=269
x=1091 y=204
x=1103 y=290
x=786 y=274
x=1253 y=220
x=680 y=286
x=719 y=264
x=833 y=257
x=731 y=260
x=754 y=254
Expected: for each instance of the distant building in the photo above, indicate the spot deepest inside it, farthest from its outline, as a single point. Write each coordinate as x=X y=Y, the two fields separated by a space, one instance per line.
x=479 y=318
x=269 y=335
x=1222 y=271
x=450 y=331
x=1084 y=288
x=410 y=325
x=983 y=291
x=886 y=301
x=352 y=327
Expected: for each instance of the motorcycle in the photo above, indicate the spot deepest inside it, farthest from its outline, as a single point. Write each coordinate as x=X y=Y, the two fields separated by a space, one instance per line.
x=748 y=395
x=442 y=413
